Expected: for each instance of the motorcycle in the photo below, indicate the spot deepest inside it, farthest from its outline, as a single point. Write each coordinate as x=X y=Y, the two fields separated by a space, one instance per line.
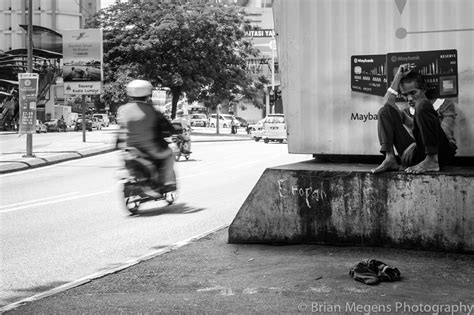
x=180 y=141
x=137 y=186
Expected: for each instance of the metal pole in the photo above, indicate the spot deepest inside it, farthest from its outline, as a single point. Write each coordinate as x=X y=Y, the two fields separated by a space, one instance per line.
x=29 y=136
x=267 y=100
x=273 y=70
x=83 y=118
x=217 y=117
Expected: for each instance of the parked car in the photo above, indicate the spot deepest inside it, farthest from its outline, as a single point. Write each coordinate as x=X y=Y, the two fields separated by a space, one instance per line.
x=56 y=125
x=104 y=118
x=97 y=123
x=199 y=120
x=40 y=127
x=256 y=130
x=78 y=125
x=224 y=120
x=101 y=122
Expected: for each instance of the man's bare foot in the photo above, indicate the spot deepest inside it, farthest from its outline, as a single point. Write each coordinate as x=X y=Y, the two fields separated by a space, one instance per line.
x=389 y=164
x=423 y=166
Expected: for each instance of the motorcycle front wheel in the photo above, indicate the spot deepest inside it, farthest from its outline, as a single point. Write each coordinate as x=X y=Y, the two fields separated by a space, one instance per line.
x=132 y=198
x=170 y=197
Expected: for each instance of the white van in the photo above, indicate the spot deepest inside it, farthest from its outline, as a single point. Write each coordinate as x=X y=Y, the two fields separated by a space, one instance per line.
x=104 y=118
x=274 y=128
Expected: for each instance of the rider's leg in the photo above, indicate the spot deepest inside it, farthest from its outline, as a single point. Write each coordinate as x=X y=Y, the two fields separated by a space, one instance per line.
x=167 y=175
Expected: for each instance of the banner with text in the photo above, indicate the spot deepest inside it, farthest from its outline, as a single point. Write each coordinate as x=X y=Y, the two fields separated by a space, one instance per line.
x=82 y=61
x=28 y=91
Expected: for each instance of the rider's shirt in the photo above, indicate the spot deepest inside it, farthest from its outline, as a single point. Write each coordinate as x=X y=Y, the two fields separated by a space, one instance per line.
x=142 y=125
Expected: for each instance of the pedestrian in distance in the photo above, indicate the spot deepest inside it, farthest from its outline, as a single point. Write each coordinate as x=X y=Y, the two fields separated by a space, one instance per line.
x=422 y=134
x=233 y=125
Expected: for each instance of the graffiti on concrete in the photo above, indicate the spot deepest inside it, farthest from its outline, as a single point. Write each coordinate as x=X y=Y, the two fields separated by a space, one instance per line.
x=309 y=194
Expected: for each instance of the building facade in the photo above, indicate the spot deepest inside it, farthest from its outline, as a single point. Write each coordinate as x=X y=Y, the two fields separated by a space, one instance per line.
x=260 y=15
x=49 y=18
x=52 y=14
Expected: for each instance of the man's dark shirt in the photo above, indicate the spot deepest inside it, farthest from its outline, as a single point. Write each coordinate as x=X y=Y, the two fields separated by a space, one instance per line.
x=145 y=128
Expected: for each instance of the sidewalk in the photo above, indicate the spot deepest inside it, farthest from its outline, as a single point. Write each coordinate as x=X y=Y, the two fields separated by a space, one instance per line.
x=96 y=143
x=210 y=276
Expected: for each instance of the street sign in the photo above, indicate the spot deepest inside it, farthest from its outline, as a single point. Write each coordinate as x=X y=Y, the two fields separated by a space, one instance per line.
x=28 y=91
x=260 y=33
x=82 y=61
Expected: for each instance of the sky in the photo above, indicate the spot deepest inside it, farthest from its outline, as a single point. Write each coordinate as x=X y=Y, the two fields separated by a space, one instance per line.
x=106 y=3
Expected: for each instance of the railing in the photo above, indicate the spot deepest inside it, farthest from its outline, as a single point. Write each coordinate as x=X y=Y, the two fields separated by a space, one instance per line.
x=46 y=79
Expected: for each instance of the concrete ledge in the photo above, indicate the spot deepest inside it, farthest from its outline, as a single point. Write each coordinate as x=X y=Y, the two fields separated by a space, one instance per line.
x=346 y=204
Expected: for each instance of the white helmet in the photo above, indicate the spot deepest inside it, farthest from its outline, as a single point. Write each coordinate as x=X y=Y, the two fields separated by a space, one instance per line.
x=139 y=88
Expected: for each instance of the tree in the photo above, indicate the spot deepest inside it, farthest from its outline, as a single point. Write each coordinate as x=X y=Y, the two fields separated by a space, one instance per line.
x=197 y=49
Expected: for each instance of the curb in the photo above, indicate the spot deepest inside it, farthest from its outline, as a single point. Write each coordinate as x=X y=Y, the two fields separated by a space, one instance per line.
x=36 y=162
x=103 y=273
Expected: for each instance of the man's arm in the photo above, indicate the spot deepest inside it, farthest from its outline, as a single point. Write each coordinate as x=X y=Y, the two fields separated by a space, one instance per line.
x=394 y=89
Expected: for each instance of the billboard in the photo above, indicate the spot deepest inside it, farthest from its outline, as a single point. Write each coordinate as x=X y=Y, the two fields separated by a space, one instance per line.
x=338 y=60
x=439 y=69
x=82 y=61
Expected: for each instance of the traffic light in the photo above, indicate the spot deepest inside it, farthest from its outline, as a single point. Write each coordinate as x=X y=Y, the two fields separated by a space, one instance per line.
x=278 y=94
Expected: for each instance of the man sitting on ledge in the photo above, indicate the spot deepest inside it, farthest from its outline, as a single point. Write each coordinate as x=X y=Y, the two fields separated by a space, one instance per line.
x=423 y=133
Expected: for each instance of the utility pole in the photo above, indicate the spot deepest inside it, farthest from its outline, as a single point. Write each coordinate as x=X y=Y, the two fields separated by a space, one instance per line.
x=272 y=92
x=29 y=136
x=84 y=126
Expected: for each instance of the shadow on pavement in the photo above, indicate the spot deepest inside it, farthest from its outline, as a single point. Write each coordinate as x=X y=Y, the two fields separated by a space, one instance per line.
x=178 y=208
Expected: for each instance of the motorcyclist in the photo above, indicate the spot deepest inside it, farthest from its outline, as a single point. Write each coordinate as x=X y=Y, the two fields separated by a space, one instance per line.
x=145 y=129
x=185 y=135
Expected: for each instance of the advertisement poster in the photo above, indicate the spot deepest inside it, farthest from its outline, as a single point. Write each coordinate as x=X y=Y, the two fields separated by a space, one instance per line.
x=372 y=74
x=28 y=91
x=439 y=69
x=82 y=61
x=368 y=74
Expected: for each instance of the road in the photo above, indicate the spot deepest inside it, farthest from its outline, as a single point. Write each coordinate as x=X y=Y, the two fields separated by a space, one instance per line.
x=64 y=222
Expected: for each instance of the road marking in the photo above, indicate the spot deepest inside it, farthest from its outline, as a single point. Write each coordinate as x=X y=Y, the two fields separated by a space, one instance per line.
x=53 y=201
x=36 y=200
x=104 y=273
